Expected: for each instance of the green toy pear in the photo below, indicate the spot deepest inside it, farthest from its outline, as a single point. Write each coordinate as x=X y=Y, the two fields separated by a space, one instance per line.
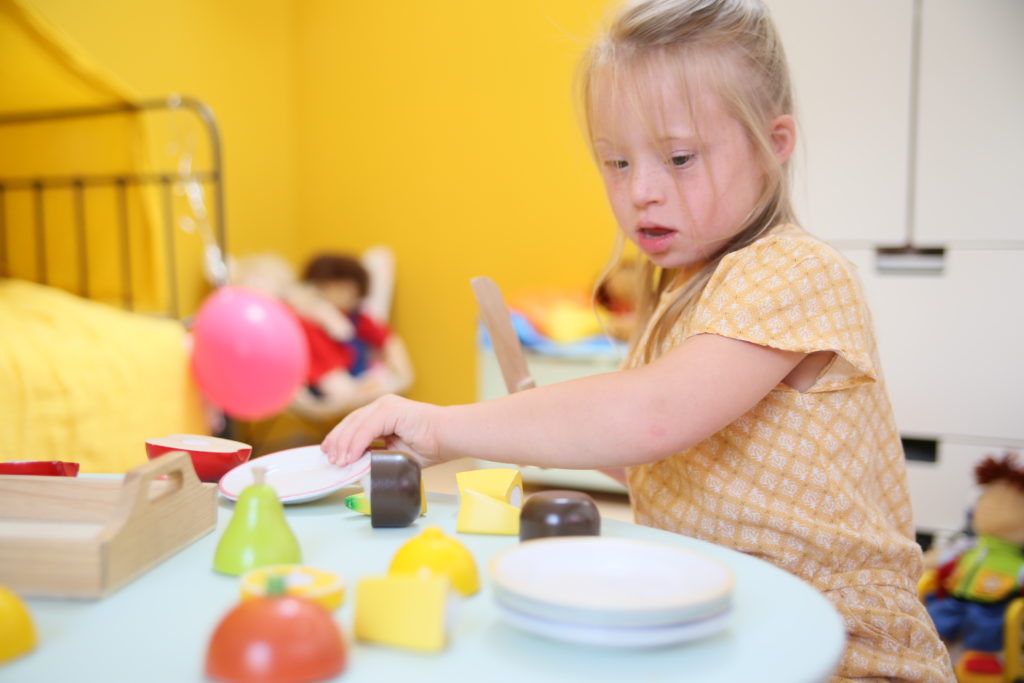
x=258 y=533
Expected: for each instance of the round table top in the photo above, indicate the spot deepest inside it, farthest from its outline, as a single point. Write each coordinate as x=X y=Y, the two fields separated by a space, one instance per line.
x=157 y=627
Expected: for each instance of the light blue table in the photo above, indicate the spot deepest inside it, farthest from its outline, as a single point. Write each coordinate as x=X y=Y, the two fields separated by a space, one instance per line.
x=156 y=628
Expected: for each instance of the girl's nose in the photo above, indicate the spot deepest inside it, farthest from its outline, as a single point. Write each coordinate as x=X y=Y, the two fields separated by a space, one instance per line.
x=647 y=184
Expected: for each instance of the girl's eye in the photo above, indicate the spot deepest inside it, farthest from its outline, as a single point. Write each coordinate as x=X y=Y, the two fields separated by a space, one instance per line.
x=680 y=160
x=617 y=164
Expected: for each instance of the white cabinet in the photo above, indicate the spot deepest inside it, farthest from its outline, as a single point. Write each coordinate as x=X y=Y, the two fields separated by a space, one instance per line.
x=951 y=343
x=950 y=351
x=851 y=69
x=970 y=162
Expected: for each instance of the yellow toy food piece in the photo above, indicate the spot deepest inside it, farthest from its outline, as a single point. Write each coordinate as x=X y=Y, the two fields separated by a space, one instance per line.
x=17 y=633
x=403 y=610
x=503 y=483
x=482 y=514
x=441 y=555
x=325 y=588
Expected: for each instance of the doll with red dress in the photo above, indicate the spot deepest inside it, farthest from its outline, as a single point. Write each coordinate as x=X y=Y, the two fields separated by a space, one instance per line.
x=354 y=357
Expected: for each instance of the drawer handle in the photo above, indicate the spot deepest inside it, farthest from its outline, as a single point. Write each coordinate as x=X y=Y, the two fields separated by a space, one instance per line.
x=920 y=450
x=909 y=260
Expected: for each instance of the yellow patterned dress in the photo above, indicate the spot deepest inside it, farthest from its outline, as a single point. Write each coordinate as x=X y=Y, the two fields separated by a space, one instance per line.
x=812 y=481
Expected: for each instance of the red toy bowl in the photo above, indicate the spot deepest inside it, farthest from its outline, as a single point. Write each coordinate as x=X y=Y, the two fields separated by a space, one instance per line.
x=49 y=468
x=212 y=457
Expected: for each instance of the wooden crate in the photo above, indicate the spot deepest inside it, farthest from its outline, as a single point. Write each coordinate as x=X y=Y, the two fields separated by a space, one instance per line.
x=85 y=538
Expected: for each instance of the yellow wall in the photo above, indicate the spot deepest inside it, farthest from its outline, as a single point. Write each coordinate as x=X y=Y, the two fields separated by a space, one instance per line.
x=447 y=130
x=443 y=128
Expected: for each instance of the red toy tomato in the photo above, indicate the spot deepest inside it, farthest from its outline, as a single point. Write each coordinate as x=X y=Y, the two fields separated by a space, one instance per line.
x=279 y=639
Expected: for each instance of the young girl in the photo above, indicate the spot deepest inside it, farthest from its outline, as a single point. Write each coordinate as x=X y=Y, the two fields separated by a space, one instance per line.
x=751 y=410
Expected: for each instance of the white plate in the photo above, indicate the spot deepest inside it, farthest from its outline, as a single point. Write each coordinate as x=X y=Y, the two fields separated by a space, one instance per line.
x=617 y=582
x=297 y=474
x=610 y=636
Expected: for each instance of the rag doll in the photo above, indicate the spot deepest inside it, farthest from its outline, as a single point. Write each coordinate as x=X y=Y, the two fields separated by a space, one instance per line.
x=976 y=586
x=354 y=358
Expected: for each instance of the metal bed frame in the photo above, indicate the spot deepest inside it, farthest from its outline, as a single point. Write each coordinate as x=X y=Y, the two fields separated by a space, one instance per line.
x=81 y=184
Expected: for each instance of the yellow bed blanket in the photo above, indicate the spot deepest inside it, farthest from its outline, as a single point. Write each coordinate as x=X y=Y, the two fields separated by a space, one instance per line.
x=87 y=382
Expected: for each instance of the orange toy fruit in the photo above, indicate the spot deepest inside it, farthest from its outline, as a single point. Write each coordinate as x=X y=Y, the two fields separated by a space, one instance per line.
x=276 y=639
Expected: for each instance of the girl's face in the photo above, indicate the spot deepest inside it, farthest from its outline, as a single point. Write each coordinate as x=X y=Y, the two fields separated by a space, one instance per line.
x=680 y=185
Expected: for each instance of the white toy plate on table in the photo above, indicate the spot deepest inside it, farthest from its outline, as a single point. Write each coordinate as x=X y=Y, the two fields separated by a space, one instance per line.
x=297 y=474
x=618 y=582
x=611 y=636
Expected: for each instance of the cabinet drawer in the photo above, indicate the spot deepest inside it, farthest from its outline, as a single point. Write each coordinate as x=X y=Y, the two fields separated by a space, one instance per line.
x=950 y=343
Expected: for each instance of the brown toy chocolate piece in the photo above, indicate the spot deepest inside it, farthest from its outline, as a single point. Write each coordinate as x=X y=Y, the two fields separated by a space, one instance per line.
x=559 y=513
x=395 y=490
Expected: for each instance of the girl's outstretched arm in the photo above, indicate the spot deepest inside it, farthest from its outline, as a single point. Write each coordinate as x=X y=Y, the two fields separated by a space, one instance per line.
x=616 y=419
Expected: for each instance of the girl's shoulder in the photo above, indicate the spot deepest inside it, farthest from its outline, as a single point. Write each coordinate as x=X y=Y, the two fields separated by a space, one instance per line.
x=787 y=245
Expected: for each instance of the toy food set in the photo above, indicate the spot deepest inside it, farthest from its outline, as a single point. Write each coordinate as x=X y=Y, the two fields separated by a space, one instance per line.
x=297 y=475
x=85 y=538
x=324 y=588
x=559 y=513
x=435 y=552
x=46 y=468
x=611 y=591
x=277 y=638
x=489 y=501
x=17 y=632
x=211 y=456
x=258 y=533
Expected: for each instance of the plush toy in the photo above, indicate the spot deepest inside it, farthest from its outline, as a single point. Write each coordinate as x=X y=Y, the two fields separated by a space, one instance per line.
x=617 y=296
x=976 y=586
x=355 y=356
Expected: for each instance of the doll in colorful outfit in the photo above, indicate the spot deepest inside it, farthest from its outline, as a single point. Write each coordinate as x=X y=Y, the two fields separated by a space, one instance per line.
x=354 y=358
x=976 y=586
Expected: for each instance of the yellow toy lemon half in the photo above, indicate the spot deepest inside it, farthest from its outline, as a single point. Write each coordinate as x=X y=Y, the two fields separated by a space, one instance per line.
x=17 y=632
x=441 y=555
x=325 y=588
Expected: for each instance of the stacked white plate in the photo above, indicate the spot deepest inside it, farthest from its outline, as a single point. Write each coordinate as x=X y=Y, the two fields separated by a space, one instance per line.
x=612 y=591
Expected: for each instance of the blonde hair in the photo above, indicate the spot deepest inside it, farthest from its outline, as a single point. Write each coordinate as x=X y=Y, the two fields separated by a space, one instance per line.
x=731 y=45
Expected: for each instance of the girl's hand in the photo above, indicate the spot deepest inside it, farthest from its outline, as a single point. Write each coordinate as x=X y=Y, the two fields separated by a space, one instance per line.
x=407 y=426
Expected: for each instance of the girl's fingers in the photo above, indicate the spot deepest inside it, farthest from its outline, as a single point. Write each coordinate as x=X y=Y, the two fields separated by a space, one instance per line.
x=351 y=437
x=336 y=443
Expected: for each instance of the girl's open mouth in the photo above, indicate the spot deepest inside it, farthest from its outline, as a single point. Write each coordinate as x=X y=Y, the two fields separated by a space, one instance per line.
x=654 y=239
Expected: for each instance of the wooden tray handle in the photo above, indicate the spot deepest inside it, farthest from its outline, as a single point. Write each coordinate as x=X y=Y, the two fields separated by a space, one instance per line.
x=177 y=465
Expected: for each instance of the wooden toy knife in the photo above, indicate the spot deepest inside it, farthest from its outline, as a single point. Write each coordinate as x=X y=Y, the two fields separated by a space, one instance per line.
x=504 y=339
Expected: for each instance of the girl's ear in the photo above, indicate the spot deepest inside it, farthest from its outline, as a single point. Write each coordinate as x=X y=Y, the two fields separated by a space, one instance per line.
x=783 y=136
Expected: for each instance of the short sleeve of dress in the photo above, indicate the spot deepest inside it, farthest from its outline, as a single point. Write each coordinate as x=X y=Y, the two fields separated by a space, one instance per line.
x=791 y=291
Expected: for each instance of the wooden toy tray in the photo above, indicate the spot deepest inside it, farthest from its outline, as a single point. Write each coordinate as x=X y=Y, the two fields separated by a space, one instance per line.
x=85 y=538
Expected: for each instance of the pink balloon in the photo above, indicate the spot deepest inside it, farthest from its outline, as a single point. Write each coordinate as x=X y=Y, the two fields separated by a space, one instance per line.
x=249 y=354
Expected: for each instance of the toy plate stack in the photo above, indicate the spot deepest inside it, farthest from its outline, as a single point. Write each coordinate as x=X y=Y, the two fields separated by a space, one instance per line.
x=612 y=591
